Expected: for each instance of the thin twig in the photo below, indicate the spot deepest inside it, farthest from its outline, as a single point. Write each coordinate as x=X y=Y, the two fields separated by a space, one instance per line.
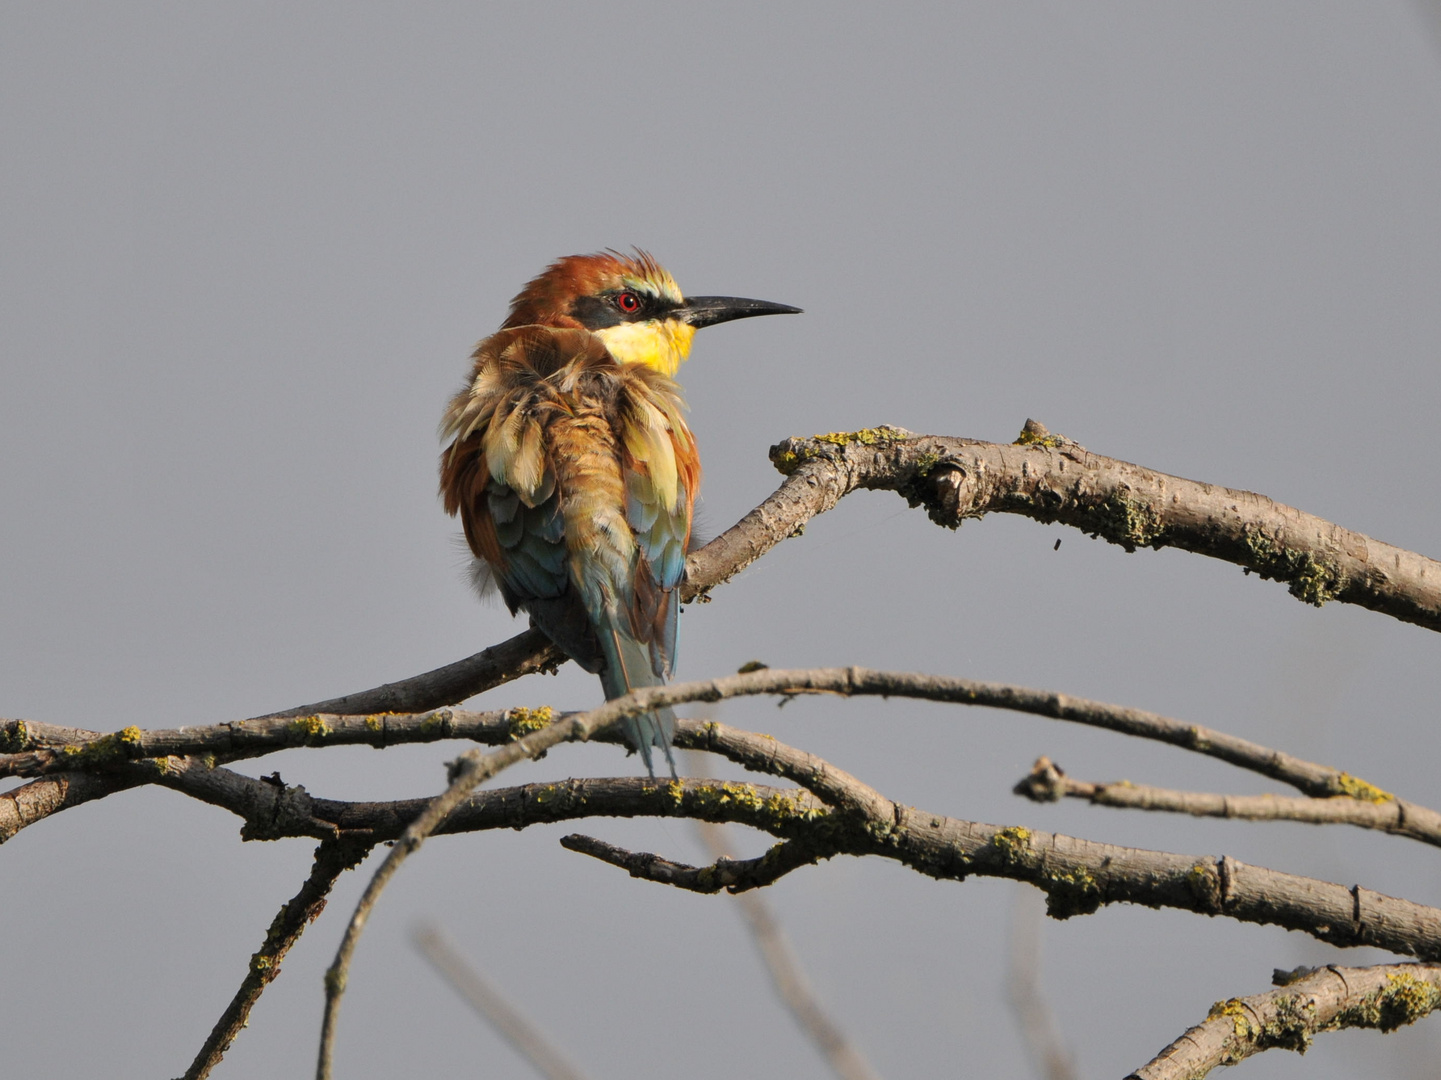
x=1046 y=782
x=332 y=858
x=1308 y=1002
x=523 y=1036
x=731 y=875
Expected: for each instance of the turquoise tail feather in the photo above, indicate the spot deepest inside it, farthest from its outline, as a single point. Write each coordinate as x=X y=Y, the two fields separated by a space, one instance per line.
x=628 y=667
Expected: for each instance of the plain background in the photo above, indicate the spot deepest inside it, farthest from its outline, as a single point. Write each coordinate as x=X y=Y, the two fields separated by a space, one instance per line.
x=246 y=249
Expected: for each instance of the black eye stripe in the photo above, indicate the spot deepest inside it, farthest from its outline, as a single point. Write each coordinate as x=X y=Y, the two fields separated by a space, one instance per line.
x=602 y=310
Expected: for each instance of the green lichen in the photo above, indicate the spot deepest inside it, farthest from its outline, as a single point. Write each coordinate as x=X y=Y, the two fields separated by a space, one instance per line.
x=926 y=462
x=522 y=721
x=437 y=725
x=1075 y=892
x=260 y=963
x=1357 y=788
x=751 y=665
x=1205 y=884
x=309 y=730
x=1311 y=579
x=14 y=737
x=1130 y=521
x=1403 y=1000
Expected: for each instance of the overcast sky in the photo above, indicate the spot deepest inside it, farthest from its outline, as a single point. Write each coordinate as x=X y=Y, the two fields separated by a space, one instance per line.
x=246 y=250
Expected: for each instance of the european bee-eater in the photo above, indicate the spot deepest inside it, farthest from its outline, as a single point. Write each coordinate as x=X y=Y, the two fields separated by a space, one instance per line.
x=573 y=471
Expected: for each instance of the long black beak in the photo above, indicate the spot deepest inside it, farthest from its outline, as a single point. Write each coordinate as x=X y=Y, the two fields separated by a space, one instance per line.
x=701 y=311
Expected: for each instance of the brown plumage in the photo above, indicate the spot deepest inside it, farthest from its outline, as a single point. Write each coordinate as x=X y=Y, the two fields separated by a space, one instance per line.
x=573 y=472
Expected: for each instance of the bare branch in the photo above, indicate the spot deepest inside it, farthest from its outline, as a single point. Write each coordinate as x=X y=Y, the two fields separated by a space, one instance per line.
x=39 y=799
x=332 y=858
x=525 y=654
x=1050 y=478
x=1324 y=999
x=732 y=875
x=523 y=1036
x=229 y=742
x=51 y=749
x=1046 y=782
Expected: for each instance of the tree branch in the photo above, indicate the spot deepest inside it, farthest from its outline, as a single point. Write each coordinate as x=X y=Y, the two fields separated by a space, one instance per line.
x=1046 y=782
x=39 y=799
x=1051 y=478
x=1321 y=999
x=332 y=858
x=248 y=738
x=1078 y=876
x=228 y=742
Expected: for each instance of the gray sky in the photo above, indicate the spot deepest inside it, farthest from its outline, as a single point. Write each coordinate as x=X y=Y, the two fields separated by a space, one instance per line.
x=246 y=250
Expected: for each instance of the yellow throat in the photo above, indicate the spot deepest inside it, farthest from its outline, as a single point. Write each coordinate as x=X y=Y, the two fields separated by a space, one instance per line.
x=662 y=344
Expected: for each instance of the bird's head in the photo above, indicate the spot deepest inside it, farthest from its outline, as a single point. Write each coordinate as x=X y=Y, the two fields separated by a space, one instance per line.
x=631 y=304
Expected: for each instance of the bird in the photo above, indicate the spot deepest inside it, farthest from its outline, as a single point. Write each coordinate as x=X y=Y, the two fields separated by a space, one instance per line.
x=570 y=465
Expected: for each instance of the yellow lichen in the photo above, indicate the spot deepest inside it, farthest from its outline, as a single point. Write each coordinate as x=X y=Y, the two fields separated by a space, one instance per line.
x=1012 y=842
x=118 y=746
x=309 y=729
x=789 y=456
x=522 y=721
x=1239 y=1014
x=1357 y=788
x=1038 y=436
x=14 y=737
x=1403 y=1000
x=865 y=436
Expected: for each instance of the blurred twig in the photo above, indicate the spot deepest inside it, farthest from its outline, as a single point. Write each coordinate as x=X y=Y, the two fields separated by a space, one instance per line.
x=787 y=976
x=1027 y=994
x=490 y=1003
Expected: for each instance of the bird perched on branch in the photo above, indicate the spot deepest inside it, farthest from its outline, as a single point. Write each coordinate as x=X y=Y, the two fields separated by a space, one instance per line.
x=573 y=471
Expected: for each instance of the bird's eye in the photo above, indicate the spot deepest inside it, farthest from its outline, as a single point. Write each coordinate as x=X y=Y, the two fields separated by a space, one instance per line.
x=628 y=302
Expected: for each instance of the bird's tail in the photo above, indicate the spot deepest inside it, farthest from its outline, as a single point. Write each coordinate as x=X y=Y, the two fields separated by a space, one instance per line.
x=628 y=667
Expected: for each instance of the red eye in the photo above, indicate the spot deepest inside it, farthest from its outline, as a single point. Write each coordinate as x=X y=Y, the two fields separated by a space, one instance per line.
x=628 y=302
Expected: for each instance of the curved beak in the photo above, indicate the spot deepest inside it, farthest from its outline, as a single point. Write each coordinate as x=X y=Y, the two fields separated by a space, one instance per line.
x=701 y=311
